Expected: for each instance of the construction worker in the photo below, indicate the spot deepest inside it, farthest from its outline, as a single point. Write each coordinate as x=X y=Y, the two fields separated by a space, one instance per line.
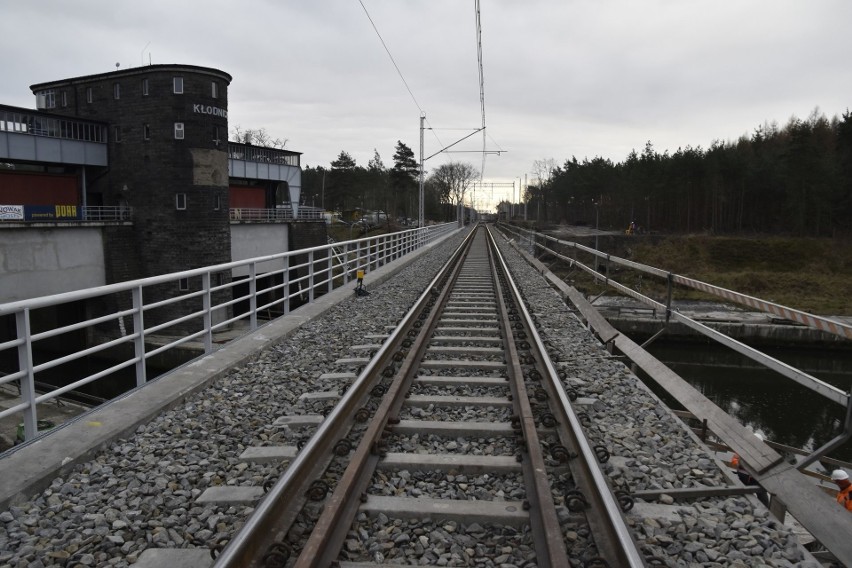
x=841 y=478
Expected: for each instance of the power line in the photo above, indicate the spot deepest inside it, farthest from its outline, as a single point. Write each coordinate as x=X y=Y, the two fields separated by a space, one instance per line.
x=399 y=72
x=391 y=57
x=481 y=83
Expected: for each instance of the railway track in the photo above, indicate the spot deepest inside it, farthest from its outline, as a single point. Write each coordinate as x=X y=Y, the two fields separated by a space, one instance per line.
x=460 y=445
x=358 y=383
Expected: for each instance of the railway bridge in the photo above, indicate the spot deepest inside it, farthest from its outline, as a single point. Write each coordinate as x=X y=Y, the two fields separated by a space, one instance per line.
x=516 y=434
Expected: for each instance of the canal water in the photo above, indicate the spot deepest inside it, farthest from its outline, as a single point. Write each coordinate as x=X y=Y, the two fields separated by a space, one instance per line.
x=768 y=403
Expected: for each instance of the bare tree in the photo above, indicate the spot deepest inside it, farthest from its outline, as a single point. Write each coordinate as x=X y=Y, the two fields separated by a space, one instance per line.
x=256 y=137
x=454 y=179
x=543 y=170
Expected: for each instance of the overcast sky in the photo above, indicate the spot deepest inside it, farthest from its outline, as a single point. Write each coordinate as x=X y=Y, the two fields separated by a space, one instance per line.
x=563 y=78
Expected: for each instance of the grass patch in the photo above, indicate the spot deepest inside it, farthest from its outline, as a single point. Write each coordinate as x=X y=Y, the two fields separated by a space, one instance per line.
x=812 y=275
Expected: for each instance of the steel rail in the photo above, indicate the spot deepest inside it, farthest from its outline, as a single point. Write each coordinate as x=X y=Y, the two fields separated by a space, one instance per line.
x=543 y=518
x=614 y=539
x=330 y=531
x=280 y=507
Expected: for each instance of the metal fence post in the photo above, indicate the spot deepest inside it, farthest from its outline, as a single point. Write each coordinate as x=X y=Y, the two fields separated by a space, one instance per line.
x=311 y=277
x=207 y=302
x=330 y=253
x=286 y=283
x=253 y=296
x=346 y=254
x=25 y=363
x=139 y=333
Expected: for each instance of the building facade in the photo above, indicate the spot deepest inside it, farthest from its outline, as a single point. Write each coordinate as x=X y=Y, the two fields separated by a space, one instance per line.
x=168 y=162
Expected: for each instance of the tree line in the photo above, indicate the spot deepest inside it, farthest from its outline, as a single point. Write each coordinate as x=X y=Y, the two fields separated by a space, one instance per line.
x=345 y=186
x=792 y=180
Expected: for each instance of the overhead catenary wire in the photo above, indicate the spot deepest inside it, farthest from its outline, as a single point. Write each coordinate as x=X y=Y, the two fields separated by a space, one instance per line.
x=482 y=128
x=399 y=72
x=481 y=85
x=372 y=23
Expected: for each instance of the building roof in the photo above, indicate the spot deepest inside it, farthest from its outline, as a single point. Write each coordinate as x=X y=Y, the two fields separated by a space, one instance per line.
x=132 y=71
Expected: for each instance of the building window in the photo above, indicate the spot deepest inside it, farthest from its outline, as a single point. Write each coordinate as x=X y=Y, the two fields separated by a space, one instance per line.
x=46 y=99
x=88 y=94
x=216 y=140
x=183 y=284
x=178 y=131
x=214 y=89
x=64 y=98
x=117 y=134
x=180 y=201
x=217 y=204
x=116 y=91
x=144 y=87
x=178 y=85
x=146 y=131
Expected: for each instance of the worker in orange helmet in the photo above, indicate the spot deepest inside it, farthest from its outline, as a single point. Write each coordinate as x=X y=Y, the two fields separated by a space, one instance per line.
x=841 y=478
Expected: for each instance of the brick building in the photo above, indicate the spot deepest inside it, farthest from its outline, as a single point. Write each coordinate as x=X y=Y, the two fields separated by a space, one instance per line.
x=167 y=148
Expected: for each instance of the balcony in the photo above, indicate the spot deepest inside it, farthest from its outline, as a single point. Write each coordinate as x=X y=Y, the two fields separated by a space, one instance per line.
x=283 y=214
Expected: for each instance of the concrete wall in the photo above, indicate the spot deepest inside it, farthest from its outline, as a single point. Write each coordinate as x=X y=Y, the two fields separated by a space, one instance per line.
x=44 y=261
x=253 y=240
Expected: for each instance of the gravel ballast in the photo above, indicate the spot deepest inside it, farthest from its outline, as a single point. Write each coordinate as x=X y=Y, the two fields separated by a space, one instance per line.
x=141 y=491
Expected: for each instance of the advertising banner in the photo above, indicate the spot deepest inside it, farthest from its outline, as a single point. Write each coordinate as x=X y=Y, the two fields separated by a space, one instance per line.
x=11 y=212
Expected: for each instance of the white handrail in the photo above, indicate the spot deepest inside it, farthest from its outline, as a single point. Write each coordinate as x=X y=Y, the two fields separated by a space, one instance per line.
x=183 y=306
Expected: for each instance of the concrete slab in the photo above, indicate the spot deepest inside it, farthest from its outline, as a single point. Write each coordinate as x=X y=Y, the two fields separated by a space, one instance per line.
x=230 y=495
x=452 y=429
x=379 y=336
x=319 y=396
x=466 y=339
x=346 y=376
x=468 y=321
x=299 y=420
x=461 y=463
x=449 y=330
x=365 y=347
x=500 y=512
x=269 y=454
x=454 y=401
x=659 y=511
x=467 y=350
x=458 y=364
x=175 y=558
x=449 y=381
x=353 y=361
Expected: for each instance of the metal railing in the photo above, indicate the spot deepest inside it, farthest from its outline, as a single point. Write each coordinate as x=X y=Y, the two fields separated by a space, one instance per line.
x=249 y=153
x=133 y=321
x=816 y=322
x=24 y=121
x=280 y=214
x=11 y=214
x=537 y=240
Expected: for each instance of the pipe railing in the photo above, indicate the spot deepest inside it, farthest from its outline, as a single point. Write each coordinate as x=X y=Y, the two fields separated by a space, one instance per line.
x=126 y=324
x=816 y=322
x=280 y=214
